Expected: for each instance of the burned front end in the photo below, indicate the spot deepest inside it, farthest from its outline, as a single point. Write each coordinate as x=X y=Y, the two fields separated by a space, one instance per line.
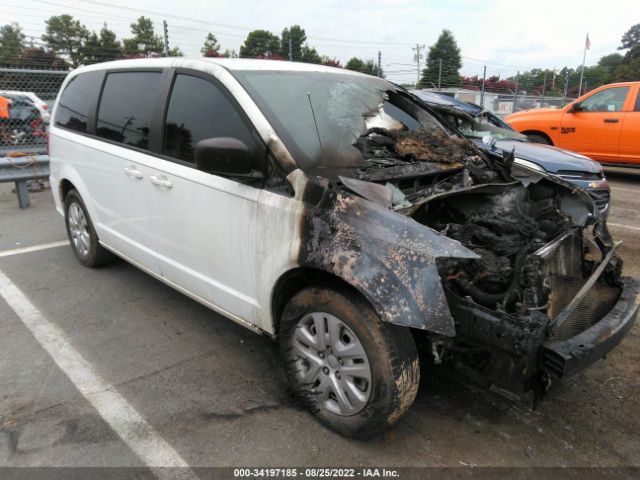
x=545 y=298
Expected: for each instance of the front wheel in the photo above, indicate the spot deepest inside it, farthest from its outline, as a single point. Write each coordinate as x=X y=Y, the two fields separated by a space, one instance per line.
x=355 y=373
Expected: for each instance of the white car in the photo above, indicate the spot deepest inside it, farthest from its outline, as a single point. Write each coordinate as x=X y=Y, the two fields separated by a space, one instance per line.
x=40 y=104
x=336 y=213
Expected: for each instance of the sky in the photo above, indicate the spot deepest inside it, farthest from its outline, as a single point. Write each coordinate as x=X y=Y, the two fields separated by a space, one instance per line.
x=504 y=35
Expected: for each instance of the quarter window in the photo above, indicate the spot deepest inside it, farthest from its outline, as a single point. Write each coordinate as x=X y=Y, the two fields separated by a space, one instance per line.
x=609 y=100
x=126 y=107
x=199 y=110
x=78 y=98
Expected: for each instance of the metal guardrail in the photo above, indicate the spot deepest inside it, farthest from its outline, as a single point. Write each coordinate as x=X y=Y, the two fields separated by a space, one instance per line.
x=21 y=169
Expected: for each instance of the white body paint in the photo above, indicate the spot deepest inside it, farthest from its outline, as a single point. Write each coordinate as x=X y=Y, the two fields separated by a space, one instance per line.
x=220 y=242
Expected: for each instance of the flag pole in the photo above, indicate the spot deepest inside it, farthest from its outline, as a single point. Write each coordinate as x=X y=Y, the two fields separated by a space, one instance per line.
x=584 y=56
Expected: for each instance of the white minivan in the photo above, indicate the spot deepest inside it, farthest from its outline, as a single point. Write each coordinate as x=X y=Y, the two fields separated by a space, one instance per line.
x=336 y=213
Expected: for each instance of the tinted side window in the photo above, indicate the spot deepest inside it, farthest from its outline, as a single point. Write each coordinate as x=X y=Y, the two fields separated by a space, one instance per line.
x=79 y=96
x=126 y=107
x=199 y=110
x=637 y=107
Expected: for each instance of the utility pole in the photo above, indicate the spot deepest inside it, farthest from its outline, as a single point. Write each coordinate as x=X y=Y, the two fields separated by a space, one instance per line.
x=439 y=73
x=290 y=48
x=515 y=95
x=544 y=89
x=166 y=37
x=566 y=86
x=484 y=76
x=417 y=58
x=587 y=46
x=379 y=63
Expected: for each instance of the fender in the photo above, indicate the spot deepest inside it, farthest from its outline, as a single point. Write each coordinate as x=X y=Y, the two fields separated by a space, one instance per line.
x=389 y=258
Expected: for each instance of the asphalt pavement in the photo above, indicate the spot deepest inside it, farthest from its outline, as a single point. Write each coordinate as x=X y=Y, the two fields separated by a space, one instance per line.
x=208 y=392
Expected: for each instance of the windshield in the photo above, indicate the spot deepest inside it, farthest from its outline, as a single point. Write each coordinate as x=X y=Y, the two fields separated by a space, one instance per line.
x=321 y=117
x=482 y=127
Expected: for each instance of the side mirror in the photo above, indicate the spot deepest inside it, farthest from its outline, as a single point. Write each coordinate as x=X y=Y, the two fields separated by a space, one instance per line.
x=223 y=156
x=576 y=107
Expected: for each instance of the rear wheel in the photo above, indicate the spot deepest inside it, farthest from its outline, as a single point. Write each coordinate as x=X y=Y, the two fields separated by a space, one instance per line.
x=537 y=138
x=82 y=235
x=355 y=373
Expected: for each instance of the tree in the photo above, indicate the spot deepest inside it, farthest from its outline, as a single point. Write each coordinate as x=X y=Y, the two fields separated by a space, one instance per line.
x=627 y=73
x=230 y=53
x=298 y=38
x=310 y=55
x=211 y=46
x=175 y=52
x=631 y=42
x=101 y=48
x=445 y=49
x=611 y=62
x=357 y=64
x=66 y=36
x=41 y=58
x=110 y=48
x=11 y=44
x=260 y=43
x=145 y=42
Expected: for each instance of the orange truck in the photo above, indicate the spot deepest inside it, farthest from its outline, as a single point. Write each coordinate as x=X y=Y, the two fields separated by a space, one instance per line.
x=603 y=124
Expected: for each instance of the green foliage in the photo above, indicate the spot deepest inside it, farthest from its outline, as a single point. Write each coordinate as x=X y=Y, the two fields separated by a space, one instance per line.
x=627 y=73
x=445 y=49
x=11 y=44
x=230 y=53
x=66 y=36
x=298 y=38
x=101 y=48
x=110 y=48
x=611 y=62
x=260 y=43
x=369 y=67
x=631 y=42
x=175 y=52
x=310 y=55
x=145 y=42
x=211 y=45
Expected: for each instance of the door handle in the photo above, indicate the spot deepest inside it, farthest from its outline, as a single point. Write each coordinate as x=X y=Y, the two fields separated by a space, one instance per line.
x=161 y=181
x=611 y=120
x=133 y=172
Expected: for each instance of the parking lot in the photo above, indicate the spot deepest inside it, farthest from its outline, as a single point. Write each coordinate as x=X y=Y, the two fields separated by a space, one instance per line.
x=214 y=394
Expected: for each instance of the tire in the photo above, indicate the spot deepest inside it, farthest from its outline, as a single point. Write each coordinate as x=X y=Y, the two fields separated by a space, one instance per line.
x=536 y=138
x=327 y=386
x=82 y=235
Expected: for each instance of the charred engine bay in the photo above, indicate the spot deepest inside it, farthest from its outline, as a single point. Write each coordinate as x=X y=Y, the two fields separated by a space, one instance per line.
x=445 y=183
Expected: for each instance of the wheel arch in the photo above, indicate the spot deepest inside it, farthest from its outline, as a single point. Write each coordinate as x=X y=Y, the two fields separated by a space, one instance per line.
x=538 y=132
x=295 y=280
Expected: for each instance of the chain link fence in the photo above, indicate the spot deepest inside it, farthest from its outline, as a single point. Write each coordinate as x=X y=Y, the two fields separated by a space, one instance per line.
x=26 y=99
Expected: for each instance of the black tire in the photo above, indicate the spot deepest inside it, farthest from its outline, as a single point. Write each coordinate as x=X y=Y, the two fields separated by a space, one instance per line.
x=537 y=138
x=391 y=352
x=96 y=255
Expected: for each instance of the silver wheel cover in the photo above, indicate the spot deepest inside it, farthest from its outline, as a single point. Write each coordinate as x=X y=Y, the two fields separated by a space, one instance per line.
x=78 y=229
x=332 y=362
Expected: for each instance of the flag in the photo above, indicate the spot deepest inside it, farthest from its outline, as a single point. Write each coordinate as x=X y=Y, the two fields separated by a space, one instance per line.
x=587 y=43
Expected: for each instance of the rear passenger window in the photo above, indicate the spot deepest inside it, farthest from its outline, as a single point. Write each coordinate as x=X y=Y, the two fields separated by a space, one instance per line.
x=199 y=110
x=126 y=107
x=79 y=97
